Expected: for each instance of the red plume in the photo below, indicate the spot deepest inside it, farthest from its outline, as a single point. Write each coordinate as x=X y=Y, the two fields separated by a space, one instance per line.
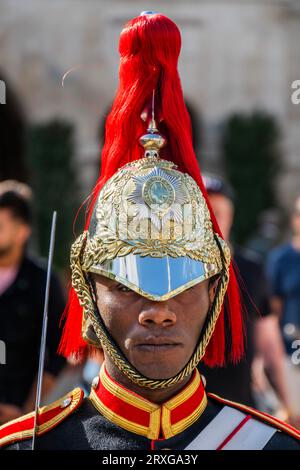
x=149 y=49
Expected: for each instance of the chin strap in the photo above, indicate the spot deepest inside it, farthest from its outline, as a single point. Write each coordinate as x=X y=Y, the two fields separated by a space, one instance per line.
x=108 y=343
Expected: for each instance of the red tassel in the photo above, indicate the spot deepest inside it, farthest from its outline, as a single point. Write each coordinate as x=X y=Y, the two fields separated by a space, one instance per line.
x=149 y=49
x=214 y=353
x=72 y=343
x=236 y=324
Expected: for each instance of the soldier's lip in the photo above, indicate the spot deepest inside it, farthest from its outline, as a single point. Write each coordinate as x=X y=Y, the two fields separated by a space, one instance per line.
x=157 y=343
x=162 y=347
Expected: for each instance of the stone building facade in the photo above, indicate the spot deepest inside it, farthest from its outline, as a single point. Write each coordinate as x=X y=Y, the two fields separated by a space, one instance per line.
x=237 y=55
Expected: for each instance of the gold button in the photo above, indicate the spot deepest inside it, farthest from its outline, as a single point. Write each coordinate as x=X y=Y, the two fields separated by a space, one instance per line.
x=95 y=381
x=66 y=402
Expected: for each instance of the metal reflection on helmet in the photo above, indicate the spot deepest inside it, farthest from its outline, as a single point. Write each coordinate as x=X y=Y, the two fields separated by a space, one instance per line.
x=156 y=278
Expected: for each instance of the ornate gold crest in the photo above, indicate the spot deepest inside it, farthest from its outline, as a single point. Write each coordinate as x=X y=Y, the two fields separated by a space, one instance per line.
x=151 y=209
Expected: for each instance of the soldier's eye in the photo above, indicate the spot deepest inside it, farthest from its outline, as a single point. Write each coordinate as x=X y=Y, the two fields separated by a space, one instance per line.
x=123 y=288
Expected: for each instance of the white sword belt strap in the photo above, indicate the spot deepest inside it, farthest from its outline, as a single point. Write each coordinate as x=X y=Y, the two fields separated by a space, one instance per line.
x=233 y=430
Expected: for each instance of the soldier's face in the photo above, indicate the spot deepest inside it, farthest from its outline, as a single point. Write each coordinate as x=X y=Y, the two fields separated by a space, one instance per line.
x=158 y=338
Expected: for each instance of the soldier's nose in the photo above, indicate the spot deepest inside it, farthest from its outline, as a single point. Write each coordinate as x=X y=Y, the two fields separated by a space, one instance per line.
x=157 y=313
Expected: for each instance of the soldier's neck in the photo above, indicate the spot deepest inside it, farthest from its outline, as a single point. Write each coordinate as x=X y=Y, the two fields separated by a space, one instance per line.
x=155 y=396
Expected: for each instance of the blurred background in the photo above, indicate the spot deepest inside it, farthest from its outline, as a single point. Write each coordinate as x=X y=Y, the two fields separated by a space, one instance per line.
x=238 y=62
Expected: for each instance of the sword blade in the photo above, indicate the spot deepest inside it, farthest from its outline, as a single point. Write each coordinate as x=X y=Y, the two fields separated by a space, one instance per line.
x=44 y=330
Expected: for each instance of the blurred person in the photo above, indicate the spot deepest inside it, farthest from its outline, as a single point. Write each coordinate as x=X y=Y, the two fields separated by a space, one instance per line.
x=284 y=275
x=22 y=291
x=263 y=339
x=151 y=294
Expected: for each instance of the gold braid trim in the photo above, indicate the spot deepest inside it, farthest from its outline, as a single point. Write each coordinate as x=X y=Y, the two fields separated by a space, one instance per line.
x=82 y=290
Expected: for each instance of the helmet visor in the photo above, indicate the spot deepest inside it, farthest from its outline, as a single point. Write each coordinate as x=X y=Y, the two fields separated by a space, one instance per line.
x=156 y=278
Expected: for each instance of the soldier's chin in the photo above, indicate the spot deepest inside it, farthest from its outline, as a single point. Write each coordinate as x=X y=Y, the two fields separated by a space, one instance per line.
x=159 y=369
x=154 y=374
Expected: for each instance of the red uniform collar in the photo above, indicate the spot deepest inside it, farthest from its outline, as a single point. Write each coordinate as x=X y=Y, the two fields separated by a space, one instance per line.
x=138 y=415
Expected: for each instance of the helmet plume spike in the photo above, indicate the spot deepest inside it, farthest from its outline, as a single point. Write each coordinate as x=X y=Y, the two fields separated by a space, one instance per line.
x=152 y=142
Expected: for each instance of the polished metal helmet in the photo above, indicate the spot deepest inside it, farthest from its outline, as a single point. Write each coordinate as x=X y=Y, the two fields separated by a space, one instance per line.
x=150 y=230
